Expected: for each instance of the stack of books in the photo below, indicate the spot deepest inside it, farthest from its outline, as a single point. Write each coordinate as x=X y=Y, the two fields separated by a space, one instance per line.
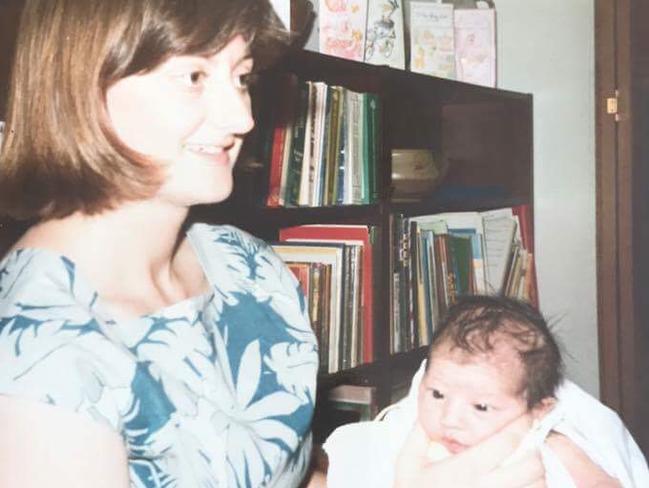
x=333 y=264
x=323 y=145
x=438 y=258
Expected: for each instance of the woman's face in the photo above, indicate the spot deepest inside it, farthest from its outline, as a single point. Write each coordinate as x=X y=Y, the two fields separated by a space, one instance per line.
x=188 y=115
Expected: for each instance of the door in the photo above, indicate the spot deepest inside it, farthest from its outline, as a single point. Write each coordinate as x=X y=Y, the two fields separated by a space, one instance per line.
x=622 y=94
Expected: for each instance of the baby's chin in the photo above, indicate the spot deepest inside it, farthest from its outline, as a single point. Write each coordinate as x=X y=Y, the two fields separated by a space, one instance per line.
x=437 y=451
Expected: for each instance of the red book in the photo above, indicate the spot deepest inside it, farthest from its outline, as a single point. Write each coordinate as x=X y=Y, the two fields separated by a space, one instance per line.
x=345 y=233
x=524 y=214
x=525 y=219
x=283 y=119
x=274 y=181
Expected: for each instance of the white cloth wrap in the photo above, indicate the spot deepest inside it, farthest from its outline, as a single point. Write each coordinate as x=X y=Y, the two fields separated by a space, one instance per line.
x=364 y=453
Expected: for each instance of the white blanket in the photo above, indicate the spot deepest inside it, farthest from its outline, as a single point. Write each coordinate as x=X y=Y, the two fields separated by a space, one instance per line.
x=364 y=453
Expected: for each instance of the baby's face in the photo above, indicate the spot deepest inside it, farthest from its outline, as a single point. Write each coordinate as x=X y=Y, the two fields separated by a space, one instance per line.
x=465 y=399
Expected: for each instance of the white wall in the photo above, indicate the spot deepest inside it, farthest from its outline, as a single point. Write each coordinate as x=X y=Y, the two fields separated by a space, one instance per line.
x=546 y=47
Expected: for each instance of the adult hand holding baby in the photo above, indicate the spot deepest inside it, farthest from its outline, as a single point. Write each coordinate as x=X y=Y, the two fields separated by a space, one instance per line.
x=476 y=467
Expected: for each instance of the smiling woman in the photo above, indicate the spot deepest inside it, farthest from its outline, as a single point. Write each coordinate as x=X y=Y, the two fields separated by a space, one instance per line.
x=58 y=112
x=134 y=353
x=192 y=114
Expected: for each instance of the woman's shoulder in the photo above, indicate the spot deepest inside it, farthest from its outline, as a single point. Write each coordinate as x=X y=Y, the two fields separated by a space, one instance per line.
x=54 y=347
x=235 y=251
x=43 y=285
x=224 y=236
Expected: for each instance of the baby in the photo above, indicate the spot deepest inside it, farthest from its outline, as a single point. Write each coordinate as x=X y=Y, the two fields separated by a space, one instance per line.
x=491 y=361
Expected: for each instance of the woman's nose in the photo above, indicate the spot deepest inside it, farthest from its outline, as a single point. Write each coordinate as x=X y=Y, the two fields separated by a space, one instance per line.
x=230 y=109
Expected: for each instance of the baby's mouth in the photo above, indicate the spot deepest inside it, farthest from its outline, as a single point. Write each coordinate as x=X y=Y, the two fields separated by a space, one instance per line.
x=453 y=446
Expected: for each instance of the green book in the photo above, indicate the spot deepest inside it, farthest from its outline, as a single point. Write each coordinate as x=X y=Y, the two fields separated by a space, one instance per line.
x=332 y=125
x=371 y=139
x=297 y=145
x=462 y=261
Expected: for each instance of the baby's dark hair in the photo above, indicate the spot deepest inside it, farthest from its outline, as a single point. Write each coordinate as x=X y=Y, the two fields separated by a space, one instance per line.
x=474 y=323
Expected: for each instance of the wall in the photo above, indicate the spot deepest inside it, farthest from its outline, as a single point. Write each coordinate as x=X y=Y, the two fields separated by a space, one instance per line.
x=546 y=48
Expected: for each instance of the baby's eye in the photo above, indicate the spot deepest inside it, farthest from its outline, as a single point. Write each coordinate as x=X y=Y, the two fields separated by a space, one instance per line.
x=437 y=394
x=481 y=407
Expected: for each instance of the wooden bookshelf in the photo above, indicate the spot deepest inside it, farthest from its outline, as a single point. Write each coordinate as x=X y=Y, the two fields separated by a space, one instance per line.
x=491 y=168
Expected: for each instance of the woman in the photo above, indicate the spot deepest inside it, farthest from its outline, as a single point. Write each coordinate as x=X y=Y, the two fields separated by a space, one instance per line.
x=133 y=352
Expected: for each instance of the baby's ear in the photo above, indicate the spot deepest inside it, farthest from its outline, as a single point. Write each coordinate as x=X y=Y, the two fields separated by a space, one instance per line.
x=543 y=407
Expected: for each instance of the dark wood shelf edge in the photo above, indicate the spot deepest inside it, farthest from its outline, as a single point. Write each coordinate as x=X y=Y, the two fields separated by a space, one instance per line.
x=399 y=364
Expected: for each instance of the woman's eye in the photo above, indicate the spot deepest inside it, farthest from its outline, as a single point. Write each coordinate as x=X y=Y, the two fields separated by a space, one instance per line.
x=437 y=394
x=193 y=78
x=244 y=81
x=481 y=407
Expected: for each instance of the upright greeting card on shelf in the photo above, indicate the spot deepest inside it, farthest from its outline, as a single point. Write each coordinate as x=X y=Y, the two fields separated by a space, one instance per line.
x=384 y=41
x=475 y=46
x=342 y=28
x=432 y=45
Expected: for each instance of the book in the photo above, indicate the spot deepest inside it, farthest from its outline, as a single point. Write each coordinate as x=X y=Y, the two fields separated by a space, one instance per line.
x=354 y=172
x=331 y=254
x=282 y=122
x=302 y=273
x=342 y=28
x=298 y=142
x=322 y=107
x=332 y=129
x=432 y=39
x=359 y=398
x=372 y=143
x=349 y=234
x=384 y=36
x=475 y=46
x=307 y=176
x=500 y=234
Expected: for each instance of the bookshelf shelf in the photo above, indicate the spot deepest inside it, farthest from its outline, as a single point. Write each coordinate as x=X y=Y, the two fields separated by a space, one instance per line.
x=373 y=373
x=485 y=134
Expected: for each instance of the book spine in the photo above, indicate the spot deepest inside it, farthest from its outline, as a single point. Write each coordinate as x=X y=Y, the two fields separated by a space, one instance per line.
x=297 y=145
x=373 y=144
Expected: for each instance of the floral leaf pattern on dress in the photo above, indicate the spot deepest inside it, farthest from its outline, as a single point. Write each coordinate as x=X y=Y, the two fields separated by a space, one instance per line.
x=214 y=391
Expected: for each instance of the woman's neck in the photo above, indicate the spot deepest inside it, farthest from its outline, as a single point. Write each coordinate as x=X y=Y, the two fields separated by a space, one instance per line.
x=133 y=255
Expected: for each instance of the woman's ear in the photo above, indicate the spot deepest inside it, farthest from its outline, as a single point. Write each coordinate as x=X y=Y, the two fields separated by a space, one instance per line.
x=543 y=407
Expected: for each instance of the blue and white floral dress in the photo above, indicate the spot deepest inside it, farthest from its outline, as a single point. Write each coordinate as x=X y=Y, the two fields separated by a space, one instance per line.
x=214 y=391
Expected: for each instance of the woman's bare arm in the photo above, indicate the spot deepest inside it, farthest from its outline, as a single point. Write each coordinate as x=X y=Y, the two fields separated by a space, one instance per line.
x=583 y=471
x=43 y=445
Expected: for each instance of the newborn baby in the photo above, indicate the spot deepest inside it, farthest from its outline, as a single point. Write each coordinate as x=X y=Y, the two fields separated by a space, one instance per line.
x=491 y=361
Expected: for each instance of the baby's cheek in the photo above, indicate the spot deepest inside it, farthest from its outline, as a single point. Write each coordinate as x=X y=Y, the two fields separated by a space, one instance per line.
x=487 y=429
x=427 y=419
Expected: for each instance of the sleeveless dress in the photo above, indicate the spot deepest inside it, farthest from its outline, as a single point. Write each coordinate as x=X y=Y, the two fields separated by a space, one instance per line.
x=214 y=391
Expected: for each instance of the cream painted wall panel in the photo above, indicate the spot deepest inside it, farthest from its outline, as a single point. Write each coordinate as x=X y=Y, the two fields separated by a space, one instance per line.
x=546 y=47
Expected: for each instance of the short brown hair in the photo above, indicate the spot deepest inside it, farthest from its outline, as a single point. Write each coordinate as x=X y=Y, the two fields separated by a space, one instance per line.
x=474 y=323
x=60 y=154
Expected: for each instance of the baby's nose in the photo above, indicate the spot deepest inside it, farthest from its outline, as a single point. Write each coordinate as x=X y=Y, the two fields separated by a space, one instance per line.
x=451 y=415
